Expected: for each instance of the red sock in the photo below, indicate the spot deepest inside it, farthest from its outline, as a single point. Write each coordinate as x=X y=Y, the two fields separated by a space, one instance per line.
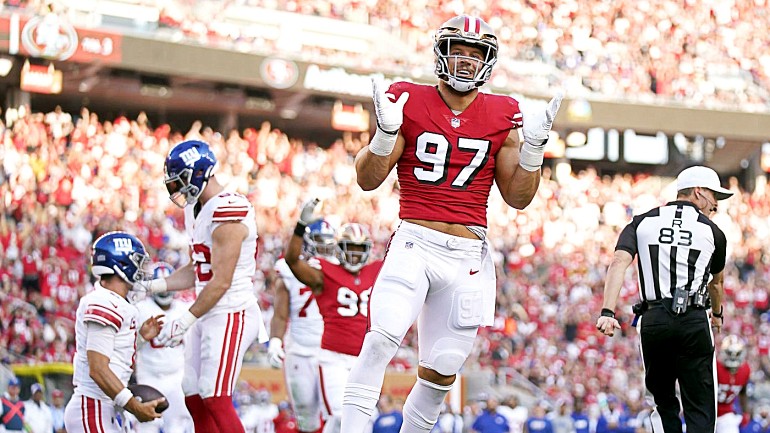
x=224 y=414
x=202 y=419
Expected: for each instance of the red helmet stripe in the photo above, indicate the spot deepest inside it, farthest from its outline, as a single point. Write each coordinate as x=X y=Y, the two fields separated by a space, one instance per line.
x=478 y=25
x=467 y=23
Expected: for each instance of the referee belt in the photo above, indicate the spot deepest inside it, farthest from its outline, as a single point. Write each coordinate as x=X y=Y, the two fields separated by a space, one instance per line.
x=668 y=303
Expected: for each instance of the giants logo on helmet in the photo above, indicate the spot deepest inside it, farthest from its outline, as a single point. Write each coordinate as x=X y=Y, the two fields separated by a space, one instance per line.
x=190 y=156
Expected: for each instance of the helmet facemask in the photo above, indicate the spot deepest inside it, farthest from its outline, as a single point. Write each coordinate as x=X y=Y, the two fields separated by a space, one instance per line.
x=733 y=352
x=320 y=239
x=465 y=31
x=181 y=190
x=352 y=254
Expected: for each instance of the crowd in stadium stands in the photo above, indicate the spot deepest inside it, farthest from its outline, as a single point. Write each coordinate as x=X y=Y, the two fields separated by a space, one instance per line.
x=701 y=53
x=65 y=179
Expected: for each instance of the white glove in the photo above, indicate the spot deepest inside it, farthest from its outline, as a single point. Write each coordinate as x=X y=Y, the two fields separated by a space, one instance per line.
x=151 y=287
x=537 y=125
x=172 y=334
x=306 y=214
x=275 y=353
x=390 y=115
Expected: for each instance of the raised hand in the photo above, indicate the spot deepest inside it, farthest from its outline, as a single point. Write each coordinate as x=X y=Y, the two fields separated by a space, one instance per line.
x=390 y=115
x=306 y=215
x=537 y=126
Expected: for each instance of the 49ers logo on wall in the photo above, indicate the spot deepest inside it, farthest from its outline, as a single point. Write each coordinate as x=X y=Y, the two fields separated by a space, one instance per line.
x=279 y=73
x=49 y=37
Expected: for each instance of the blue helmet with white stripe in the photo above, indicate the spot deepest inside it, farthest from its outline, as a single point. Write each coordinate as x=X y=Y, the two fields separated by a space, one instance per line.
x=121 y=254
x=188 y=168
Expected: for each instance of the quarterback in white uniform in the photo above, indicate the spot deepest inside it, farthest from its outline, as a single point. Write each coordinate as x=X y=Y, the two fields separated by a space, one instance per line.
x=225 y=318
x=296 y=308
x=162 y=367
x=105 y=338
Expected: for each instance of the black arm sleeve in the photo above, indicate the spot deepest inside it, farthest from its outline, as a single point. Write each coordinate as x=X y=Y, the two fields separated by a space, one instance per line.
x=627 y=239
x=720 y=250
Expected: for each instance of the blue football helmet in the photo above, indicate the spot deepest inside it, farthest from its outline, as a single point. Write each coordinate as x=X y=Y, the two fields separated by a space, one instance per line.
x=119 y=253
x=162 y=270
x=189 y=166
x=353 y=246
x=320 y=239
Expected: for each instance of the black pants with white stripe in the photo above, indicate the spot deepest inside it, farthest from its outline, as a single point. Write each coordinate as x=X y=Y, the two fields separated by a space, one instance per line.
x=679 y=348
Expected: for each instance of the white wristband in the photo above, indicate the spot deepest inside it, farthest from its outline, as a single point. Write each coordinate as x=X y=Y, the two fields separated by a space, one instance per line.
x=275 y=341
x=158 y=285
x=382 y=143
x=121 y=400
x=187 y=318
x=531 y=157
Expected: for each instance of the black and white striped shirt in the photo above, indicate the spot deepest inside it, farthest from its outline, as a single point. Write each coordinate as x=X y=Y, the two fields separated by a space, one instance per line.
x=677 y=245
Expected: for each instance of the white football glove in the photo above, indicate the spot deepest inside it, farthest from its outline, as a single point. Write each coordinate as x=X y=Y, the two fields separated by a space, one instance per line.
x=308 y=209
x=172 y=333
x=390 y=115
x=537 y=126
x=275 y=353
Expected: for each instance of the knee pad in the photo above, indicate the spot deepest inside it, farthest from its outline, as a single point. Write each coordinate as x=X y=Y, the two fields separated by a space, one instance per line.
x=447 y=356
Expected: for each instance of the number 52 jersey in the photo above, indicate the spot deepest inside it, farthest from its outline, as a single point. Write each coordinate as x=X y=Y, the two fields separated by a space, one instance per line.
x=222 y=209
x=448 y=164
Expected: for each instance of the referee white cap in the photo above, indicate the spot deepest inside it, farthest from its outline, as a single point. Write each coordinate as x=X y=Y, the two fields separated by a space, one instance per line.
x=702 y=177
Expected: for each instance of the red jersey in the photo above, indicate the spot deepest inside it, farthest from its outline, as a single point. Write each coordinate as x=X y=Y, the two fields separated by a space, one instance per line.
x=344 y=305
x=448 y=164
x=730 y=385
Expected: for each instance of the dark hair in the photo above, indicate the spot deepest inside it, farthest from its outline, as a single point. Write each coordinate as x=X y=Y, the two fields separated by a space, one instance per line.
x=685 y=192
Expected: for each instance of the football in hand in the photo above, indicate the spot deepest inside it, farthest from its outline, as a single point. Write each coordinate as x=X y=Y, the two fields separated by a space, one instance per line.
x=147 y=393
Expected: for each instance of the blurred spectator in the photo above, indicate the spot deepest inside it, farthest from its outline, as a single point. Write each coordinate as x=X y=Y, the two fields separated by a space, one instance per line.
x=449 y=421
x=562 y=419
x=514 y=413
x=285 y=422
x=390 y=417
x=489 y=421
x=257 y=412
x=12 y=417
x=37 y=413
x=57 y=411
x=538 y=422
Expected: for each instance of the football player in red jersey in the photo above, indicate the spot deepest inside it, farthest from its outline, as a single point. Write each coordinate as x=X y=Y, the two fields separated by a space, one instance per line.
x=449 y=143
x=732 y=376
x=342 y=293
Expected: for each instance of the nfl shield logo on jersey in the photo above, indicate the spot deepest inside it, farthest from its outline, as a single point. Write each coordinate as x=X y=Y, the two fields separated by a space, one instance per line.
x=455 y=122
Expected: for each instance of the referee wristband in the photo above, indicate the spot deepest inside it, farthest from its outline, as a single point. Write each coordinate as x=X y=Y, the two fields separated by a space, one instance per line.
x=121 y=400
x=299 y=229
x=721 y=312
x=606 y=312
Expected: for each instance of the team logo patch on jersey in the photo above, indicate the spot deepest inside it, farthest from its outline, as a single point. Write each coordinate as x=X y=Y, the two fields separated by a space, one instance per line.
x=455 y=122
x=409 y=245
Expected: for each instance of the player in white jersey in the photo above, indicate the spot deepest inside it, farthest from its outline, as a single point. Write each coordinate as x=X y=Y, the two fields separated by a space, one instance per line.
x=162 y=367
x=225 y=317
x=295 y=307
x=105 y=338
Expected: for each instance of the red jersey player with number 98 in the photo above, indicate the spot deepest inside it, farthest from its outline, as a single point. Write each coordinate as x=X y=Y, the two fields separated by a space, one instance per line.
x=342 y=293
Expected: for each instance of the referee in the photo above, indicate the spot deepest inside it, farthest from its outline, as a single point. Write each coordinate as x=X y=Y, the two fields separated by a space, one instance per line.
x=678 y=247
